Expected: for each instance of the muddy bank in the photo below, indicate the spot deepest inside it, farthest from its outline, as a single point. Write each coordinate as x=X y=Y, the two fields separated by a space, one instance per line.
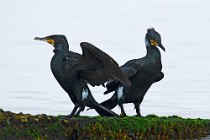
x=26 y=126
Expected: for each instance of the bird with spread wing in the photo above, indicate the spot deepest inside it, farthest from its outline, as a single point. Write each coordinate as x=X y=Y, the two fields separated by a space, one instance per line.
x=74 y=71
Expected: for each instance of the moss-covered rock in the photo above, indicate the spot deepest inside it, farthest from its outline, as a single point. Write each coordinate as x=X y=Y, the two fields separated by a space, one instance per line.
x=26 y=126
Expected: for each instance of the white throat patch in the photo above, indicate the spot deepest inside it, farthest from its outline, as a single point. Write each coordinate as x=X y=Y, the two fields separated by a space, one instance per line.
x=84 y=94
x=120 y=93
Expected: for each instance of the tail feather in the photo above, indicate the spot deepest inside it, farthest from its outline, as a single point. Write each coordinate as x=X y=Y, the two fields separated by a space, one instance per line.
x=110 y=103
x=103 y=111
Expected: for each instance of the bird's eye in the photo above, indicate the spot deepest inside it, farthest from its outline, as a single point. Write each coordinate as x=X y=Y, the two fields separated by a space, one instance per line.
x=153 y=42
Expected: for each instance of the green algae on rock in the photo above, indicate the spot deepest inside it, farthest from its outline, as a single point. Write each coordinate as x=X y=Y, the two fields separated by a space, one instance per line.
x=26 y=126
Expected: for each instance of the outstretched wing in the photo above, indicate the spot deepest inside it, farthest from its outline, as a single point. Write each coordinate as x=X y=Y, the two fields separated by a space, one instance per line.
x=96 y=67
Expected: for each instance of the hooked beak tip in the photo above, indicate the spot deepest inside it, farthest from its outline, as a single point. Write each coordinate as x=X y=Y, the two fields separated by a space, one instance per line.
x=163 y=48
x=36 y=38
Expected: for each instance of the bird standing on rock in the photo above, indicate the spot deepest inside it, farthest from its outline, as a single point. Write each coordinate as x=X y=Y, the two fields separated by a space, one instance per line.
x=74 y=71
x=142 y=73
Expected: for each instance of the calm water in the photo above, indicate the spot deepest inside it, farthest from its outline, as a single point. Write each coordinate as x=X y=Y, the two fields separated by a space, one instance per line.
x=27 y=84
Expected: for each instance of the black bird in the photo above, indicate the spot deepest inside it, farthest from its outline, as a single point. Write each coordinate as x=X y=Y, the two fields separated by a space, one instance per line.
x=142 y=73
x=74 y=71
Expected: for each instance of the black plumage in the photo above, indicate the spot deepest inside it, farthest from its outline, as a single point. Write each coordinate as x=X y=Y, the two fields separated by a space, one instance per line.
x=74 y=71
x=142 y=73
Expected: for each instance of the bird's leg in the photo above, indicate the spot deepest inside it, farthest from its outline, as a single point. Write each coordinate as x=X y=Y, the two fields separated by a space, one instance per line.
x=80 y=110
x=74 y=110
x=137 y=107
x=72 y=113
x=122 y=109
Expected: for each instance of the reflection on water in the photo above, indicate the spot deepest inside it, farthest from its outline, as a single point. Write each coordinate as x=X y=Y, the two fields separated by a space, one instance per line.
x=28 y=86
x=206 y=138
x=201 y=138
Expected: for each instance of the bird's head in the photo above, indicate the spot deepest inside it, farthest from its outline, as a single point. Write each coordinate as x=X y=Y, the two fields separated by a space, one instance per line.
x=153 y=38
x=58 y=41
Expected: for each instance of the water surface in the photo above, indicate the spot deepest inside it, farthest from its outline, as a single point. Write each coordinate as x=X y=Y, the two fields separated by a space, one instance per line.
x=117 y=27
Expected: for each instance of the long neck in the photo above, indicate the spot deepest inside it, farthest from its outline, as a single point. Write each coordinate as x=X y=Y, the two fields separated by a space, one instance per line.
x=153 y=56
x=153 y=52
x=57 y=62
x=61 y=47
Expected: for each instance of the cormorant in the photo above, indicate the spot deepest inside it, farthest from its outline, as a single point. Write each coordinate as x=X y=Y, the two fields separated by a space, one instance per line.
x=74 y=71
x=142 y=73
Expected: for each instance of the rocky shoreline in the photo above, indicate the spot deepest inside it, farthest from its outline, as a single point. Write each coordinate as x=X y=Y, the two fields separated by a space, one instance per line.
x=26 y=126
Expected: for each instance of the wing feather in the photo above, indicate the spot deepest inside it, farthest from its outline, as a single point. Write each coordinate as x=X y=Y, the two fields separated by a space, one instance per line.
x=96 y=67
